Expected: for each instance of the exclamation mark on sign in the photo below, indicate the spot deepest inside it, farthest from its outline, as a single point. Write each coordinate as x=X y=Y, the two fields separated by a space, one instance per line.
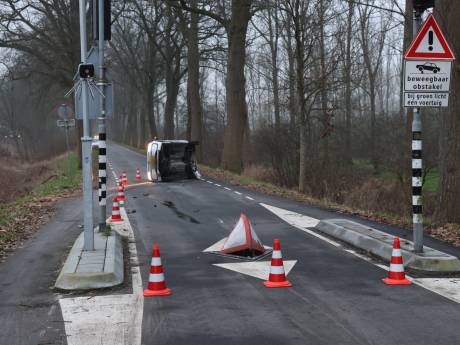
x=430 y=40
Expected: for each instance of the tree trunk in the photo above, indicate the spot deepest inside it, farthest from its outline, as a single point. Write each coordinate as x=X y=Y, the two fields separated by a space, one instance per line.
x=150 y=111
x=348 y=63
x=449 y=200
x=273 y=40
x=292 y=82
x=193 y=85
x=172 y=90
x=236 y=92
x=373 y=133
x=301 y=101
x=323 y=82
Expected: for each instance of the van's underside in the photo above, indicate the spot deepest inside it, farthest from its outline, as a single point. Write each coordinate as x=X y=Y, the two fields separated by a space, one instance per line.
x=170 y=159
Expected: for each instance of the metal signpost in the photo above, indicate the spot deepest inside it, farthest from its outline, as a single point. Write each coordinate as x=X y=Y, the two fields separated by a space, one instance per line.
x=427 y=75
x=66 y=124
x=65 y=112
x=86 y=144
x=102 y=131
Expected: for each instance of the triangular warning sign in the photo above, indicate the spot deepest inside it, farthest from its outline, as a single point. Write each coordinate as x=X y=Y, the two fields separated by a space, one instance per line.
x=242 y=237
x=430 y=43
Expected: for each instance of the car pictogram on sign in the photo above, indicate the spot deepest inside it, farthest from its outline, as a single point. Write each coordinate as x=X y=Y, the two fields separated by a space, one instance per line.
x=428 y=66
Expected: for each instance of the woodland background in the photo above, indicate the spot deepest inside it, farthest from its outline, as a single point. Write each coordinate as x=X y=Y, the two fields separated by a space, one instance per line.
x=304 y=94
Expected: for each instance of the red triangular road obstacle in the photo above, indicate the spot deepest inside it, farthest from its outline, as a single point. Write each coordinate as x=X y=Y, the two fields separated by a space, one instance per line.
x=429 y=43
x=243 y=238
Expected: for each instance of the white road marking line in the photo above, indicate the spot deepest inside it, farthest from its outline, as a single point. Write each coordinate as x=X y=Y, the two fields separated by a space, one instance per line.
x=227 y=188
x=216 y=246
x=446 y=287
x=257 y=269
x=248 y=197
x=237 y=192
x=209 y=182
x=295 y=219
x=218 y=185
x=111 y=319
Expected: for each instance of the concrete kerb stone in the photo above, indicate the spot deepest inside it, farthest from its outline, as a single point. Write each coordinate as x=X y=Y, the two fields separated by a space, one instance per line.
x=380 y=244
x=87 y=270
x=123 y=228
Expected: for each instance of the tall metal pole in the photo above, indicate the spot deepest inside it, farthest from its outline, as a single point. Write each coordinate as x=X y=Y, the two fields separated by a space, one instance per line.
x=102 y=131
x=86 y=145
x=417 y=210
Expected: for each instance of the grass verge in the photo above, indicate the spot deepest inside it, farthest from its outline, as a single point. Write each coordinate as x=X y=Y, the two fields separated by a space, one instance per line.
x=20 y=218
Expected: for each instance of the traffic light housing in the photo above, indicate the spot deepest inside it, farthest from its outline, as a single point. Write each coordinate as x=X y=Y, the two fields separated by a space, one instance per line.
x=107 y=20
x=422 y=5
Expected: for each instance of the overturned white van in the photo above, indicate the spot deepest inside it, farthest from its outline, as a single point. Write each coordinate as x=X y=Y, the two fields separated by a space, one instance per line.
x=169 y=159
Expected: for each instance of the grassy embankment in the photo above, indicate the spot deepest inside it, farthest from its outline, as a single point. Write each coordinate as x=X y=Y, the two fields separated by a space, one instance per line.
x=16 y=216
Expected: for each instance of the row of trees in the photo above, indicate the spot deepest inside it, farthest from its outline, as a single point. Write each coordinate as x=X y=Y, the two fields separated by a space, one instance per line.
x=304 y=93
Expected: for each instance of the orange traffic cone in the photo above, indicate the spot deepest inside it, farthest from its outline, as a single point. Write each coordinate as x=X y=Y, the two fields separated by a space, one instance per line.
x=116 y=217
x=138 y=175
x=277 y=277
x=157 y=284
x=121 y=195
x=124 y=179
x=396 y=274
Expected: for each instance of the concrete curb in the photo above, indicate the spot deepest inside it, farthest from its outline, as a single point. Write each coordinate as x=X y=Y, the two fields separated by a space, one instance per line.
x=123 y=228
x=380 y=244
x=101 y=268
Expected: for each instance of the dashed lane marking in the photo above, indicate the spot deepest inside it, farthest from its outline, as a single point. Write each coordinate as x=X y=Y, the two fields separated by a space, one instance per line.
x=218 y=185
x=227 y=188
x=248 y=197
x=237 y=192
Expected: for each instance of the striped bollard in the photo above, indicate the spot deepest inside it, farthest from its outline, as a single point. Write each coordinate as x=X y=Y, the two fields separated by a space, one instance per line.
x=417 y=209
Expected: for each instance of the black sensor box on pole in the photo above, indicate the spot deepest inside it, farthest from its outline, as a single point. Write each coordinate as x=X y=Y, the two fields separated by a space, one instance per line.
x=423 y=5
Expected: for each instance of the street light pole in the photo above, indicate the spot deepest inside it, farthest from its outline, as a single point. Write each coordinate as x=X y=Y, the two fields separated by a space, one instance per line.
x=102 y=130
x=417 y=183
x=86 y=141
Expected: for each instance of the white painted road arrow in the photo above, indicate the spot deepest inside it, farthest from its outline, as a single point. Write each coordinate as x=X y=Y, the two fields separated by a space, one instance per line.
x=257 y=269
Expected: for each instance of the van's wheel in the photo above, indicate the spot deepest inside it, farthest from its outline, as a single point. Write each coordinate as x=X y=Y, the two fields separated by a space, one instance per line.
x=191 y=170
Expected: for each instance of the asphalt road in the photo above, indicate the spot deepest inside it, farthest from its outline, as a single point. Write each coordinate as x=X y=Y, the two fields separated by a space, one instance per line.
x=336 y=297
x=29 y=307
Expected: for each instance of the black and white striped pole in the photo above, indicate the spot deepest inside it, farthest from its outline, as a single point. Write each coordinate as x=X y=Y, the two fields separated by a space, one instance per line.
x=417 y=180
x=102 y=129
x=417 y=208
